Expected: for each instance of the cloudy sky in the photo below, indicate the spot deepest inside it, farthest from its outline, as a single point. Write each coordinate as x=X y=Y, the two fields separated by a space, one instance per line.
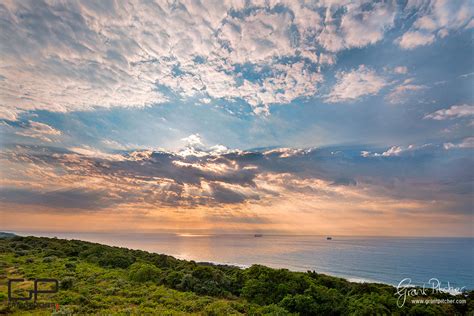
x=315 y=117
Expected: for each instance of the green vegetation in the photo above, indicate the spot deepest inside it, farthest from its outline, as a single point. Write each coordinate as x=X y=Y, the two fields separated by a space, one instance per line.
x=98 y=279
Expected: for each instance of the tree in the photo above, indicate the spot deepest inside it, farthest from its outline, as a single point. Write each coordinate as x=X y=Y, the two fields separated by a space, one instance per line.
x=144 y=272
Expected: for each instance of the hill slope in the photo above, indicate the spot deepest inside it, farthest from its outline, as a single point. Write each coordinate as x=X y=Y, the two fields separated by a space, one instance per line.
x=101 y=279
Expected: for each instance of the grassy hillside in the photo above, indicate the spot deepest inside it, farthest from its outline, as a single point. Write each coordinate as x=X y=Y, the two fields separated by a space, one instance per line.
x=98 y=279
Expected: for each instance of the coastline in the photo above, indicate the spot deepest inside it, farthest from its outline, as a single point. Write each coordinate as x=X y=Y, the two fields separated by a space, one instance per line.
x=349 y=278
x=354 y=279
x=189 y=248
x=95 y=278
x=355 y=258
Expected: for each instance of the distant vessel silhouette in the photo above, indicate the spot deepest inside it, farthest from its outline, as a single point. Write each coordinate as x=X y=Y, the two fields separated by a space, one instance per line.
x=258 y=235
x=329 y=238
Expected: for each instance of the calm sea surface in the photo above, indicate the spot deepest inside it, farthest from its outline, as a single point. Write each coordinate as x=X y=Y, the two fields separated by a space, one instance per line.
x=374 y=259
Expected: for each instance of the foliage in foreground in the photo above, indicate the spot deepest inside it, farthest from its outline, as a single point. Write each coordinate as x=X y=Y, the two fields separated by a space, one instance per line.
x=99 y=279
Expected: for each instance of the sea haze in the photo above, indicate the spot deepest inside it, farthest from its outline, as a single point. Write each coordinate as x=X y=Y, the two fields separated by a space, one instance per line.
x=371 y=259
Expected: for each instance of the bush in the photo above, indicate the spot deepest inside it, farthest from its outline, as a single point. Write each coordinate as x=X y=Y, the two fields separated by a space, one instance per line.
x=67 y=283
x=22 y=246
x=255 y=291
x=53 y=252
x=143 y=272
x=21 y=253
x=269 y=286
x=174 y=278
x=273 y=310
x=70 y=266
x=317 y=300
x=220 y=308
x=49 y=259
x=115 y=260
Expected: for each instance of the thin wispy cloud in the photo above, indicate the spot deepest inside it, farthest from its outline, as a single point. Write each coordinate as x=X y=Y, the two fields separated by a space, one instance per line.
x=403 y=91
x=355 y=84
x=455 y=111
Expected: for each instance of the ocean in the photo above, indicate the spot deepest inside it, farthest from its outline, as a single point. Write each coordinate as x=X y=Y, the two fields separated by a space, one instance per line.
x=361 y=259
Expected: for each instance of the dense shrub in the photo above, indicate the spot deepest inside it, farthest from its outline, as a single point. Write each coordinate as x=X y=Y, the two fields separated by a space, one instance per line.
x=143 y=272
x=220 y=308
x=54 y=252
x=115 y=260
x=21 y=253
x=316 y=300
x=106 y=284
x=264 y=285
x=66 y=283
x=70 y=266
x=49 y=259
x=273 y=310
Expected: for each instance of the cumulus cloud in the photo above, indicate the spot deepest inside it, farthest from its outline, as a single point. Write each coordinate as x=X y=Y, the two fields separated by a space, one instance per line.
x=363 y=27
x=392 y=151
x=410 y=150
x=358 y=28
x=411 y=40
x=400 y=70
x=436 y=19
x=455 y=111
x=355 y=84
x=68 y=56
x=193 y=140
x=465 y=143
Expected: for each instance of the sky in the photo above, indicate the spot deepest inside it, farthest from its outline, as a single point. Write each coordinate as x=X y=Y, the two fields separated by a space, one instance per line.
x=295 y=117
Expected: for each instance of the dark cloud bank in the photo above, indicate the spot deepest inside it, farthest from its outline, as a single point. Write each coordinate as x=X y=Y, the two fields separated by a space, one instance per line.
x=428 y=173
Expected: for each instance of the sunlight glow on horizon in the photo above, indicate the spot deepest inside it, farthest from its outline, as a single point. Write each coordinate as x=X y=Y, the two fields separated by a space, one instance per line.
x=196 y=118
